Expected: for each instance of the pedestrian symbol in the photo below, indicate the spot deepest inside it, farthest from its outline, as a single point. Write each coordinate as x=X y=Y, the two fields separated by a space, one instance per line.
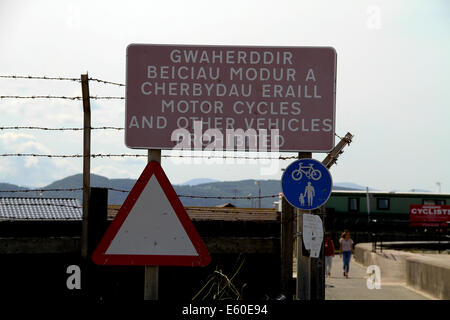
x=306 y=184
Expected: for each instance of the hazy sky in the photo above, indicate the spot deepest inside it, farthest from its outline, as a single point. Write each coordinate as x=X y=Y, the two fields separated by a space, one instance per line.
x=392 y=80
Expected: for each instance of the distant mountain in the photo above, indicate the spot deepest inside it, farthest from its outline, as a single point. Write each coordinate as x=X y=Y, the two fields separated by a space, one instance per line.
x=418 y=190
x=350 y=186
x=242 y=188
x=194 y=188
x=197 y=181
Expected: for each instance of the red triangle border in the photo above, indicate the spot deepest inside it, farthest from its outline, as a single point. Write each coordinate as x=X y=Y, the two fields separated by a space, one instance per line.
x=99 y=257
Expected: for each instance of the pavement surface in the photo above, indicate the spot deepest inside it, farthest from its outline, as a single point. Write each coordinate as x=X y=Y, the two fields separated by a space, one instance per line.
x=337 y=287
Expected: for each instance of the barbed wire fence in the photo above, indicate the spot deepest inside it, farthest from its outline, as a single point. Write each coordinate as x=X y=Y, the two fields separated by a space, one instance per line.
x=126 y=191
x=108 y=155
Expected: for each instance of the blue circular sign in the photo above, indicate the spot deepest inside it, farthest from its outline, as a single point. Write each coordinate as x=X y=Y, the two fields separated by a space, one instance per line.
x=306 y=184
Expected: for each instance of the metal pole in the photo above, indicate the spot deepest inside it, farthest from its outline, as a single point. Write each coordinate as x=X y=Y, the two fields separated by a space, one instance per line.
x=86 y=161
x=151 y=281
x=303 y=288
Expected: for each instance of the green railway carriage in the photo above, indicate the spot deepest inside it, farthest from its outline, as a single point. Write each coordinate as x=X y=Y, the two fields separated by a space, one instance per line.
x=386 y=212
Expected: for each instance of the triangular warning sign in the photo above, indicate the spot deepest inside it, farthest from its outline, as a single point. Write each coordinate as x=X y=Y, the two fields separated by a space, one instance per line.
x=152 y=228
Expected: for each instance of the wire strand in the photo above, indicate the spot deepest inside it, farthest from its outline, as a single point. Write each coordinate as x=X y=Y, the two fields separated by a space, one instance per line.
x=40 y=204
x=42 y=97
x=63 y=97
x=39 y=78
x=107 y=82
x=126 y=191
x=100 y=155
x=57 y=129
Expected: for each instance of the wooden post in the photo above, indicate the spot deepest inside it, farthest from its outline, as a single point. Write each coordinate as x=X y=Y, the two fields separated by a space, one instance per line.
x=303 y=290
x=151 y=277
x=287 y=238
x=318 y=264
x=98 y=215
x=86 y=161
x=334 y=154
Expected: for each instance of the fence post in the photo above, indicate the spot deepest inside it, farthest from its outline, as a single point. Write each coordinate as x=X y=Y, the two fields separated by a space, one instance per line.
x=86 y=161
x=303 y=290
x=98 y=216
x=287 y=247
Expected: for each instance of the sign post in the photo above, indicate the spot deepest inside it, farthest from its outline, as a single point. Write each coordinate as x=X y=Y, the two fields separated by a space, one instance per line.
x=152 y=228
x=151 y=273
x=174 y=91
x=307 y=185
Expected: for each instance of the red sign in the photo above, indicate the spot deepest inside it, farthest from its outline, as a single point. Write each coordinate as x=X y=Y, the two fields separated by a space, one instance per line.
x=291 y=89
x=429 y=215
x=152 y=228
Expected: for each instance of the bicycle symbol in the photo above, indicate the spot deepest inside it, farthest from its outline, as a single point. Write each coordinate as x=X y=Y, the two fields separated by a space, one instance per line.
x=309 y=172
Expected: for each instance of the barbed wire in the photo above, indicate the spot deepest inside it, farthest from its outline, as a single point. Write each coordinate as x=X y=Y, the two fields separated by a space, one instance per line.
x=231 y=210
x=41 y=190
x=229 y=197
x=100 y=155
x=211 y=197
x=107 y=82
x=59 y=78
x=107 y=97
x=193 y=210
x=63 y=97
x=126 y=191
x=75 y=129
x=40 y=78
x=40 y=204
x=58 y=129
x=42 y=97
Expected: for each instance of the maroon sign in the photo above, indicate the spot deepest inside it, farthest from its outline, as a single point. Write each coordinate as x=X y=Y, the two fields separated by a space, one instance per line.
x=291 y=89
x=429 y=215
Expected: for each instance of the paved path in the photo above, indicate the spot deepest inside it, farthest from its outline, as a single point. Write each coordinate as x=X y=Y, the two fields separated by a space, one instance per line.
x=355 y=287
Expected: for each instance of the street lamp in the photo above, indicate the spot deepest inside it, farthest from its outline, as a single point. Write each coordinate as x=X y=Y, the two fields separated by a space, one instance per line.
x=439 y=186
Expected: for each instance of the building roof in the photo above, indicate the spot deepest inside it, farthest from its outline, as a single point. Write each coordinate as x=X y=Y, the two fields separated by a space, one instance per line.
x=220 y=214
x=391 y=193
x=39 y=209
x=226 y=205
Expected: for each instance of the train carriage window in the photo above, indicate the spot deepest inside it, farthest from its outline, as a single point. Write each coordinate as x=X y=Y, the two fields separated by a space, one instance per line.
x=433 y=202
x=353 y=204
x=383 y=204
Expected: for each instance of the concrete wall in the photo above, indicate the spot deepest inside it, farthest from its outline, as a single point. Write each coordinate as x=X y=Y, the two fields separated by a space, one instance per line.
x=427 y=273
x=391 y=262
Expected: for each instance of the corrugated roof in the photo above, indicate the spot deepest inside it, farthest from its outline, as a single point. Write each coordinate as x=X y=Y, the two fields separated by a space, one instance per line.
x=390 y=193
x=40 y=209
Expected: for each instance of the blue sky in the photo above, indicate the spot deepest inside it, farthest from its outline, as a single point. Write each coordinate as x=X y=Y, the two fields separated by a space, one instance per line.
x=392 y=82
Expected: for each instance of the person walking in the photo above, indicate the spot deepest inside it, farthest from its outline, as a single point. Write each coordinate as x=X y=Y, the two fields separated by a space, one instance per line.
x=329 y=253
x=345 y=251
